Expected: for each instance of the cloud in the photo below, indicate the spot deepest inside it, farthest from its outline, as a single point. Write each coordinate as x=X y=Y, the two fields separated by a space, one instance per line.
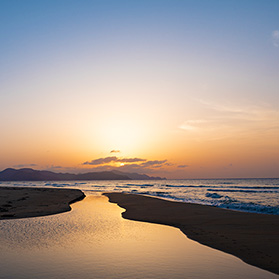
x=115 y=151
x=191 y=125
x=25 y=165
x=155 y=163
x=107 y=160
x=128 y=164
x=101 y=161
x=130 y=160
x=227 y=121
x=275 y=38
x=183 y=166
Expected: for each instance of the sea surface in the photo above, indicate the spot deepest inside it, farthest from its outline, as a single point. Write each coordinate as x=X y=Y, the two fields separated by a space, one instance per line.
x=250 y=195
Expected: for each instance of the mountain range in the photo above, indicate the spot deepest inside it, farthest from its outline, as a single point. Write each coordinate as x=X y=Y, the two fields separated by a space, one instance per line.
x=28 y=174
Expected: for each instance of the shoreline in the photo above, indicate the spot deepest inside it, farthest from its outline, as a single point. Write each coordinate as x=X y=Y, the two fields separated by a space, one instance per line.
x=252 y=237
x=25 y=202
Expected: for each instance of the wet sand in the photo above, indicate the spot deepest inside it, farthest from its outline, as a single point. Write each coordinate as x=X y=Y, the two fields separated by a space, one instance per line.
x=94 y=241
x=254 y=238
x=251 y=237
x=22 y=202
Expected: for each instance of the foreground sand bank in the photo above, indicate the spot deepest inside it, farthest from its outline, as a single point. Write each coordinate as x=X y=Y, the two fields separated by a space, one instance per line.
x=254 y=238
x=21 y=202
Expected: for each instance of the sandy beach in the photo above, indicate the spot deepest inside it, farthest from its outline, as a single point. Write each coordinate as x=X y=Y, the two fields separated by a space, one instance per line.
x=249 y=236
x=20 y=202
x=94 y=241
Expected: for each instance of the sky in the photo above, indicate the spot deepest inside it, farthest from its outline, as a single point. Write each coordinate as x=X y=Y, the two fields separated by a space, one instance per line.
x=171 y=88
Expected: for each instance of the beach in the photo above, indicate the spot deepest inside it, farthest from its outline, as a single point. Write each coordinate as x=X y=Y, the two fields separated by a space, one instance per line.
x=94 y=241
x=22 y=202
x=249 y=236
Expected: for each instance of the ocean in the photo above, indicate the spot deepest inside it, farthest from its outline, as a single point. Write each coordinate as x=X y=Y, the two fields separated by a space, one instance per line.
x=250 y=195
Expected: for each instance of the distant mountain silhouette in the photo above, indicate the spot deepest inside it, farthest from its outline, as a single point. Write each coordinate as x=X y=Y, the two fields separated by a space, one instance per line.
x=28 y=174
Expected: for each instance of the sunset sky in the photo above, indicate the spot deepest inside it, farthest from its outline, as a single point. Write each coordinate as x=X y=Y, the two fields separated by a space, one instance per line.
x=180 y=89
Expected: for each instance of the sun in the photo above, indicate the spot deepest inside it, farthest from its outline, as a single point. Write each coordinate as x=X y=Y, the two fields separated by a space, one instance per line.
x=122 y=133
x=122 y=164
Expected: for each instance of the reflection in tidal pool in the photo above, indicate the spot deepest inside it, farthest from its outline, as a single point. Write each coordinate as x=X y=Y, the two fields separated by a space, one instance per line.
x=94 y=241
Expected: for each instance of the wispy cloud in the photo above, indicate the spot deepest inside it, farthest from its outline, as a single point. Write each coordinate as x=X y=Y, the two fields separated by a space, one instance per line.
x=101 y=161
x=228 y=120
x=191 y=125
x=128 y=164
x=25 y=165
x=275 y=38
x=155 y=163
x=183 y=166
x=138 y=165
x=130 y=160
x=112 y=159
x=226 y=108
x=115 y=151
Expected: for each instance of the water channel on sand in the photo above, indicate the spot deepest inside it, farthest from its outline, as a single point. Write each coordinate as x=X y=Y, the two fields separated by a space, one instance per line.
x=94 y=241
